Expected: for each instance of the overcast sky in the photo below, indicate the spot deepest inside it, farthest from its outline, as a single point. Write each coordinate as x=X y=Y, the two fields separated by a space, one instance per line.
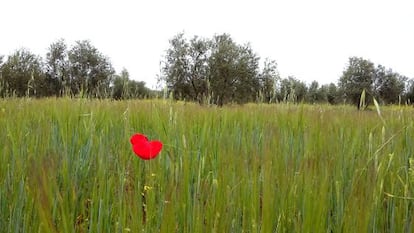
x=311 y=40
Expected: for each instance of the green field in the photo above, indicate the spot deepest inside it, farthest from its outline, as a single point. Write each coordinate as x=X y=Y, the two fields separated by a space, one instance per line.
x=67 y=166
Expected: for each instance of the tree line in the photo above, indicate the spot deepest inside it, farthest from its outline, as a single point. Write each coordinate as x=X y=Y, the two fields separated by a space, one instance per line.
x=220 y=71
x=213 y=70
x=80 y=70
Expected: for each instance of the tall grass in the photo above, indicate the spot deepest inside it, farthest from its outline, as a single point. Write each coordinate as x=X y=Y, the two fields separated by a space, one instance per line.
x=67 y=165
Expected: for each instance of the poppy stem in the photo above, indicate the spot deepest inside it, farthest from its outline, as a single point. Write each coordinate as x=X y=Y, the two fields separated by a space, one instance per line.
x=143 y=198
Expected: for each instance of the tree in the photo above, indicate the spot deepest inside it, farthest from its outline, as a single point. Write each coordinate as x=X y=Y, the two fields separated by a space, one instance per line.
x=269 y=79
x=292 y=90
x=222 y=65
x=322 y=94
x=2 y=82
x=57 y=68
x=124 y=88
x=217 y=68
x=233 y=72
x=175 y=68
x=313 y=94
x=185 y=68
x=120 y=85
x=137 y=89
x=198 y=68
x=332 y=94
x=90 y=71
x=284 y=90
x=247 y=82
x=22 y=75
x=409 y=93
x=358 y=75
x=388 y=85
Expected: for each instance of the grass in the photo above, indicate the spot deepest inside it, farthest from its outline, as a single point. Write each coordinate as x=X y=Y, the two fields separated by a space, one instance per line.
x=67 y=166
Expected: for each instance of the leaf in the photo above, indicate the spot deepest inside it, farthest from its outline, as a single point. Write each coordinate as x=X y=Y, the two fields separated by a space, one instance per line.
x=379 y=111
x=362 y=100
x=377 y=107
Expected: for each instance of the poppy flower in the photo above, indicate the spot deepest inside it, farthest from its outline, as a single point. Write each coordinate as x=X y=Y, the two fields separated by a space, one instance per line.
x=143 y=148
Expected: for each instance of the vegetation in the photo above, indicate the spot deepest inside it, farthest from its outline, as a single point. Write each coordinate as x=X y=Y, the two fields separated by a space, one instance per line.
x=80 y=71
x=67 y=166
x=220 y=71
x=213 y=70
x=379 y=82
x=22 y=75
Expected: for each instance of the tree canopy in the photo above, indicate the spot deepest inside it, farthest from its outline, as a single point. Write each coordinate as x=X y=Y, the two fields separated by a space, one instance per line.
x=79 y=70
x=379 y=82
x=22 y=75
x=215 y=70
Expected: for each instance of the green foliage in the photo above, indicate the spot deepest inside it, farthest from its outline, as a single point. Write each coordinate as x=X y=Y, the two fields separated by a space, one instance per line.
x=120 y=85
x=332 y=94
x=80 y=71
x=388 y=85
x=67 y=166
x=359 y=75
x=124 y=88
x=91 y=72
x=22 y=75
x=185 y=69
x=234 y=72
x=58 y=68
x=217 y=70
x=316 y=93
x=292 y=90
x=379 y=82
x=198 y=70
x=269 y=80
x=409 y=94
x=175 y=70
x=313 y=95
x=362 y=100
x=208 y=71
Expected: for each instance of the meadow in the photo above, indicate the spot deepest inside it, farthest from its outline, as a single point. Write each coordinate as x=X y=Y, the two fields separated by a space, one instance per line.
x=67 y=166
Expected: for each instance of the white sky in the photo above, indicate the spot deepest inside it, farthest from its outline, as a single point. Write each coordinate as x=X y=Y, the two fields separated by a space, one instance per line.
x=311 y=40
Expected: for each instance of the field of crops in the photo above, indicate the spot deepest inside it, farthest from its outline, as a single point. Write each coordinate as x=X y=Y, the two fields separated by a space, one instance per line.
x=67 y=166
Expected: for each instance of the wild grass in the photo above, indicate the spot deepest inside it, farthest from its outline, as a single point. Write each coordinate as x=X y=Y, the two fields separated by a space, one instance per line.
x=67 y=166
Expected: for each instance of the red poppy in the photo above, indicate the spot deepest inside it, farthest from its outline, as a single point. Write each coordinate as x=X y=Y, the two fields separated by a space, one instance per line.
x=143 y=148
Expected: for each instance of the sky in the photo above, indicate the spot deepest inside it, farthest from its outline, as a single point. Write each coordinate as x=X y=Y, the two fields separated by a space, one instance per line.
x=311 y=40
